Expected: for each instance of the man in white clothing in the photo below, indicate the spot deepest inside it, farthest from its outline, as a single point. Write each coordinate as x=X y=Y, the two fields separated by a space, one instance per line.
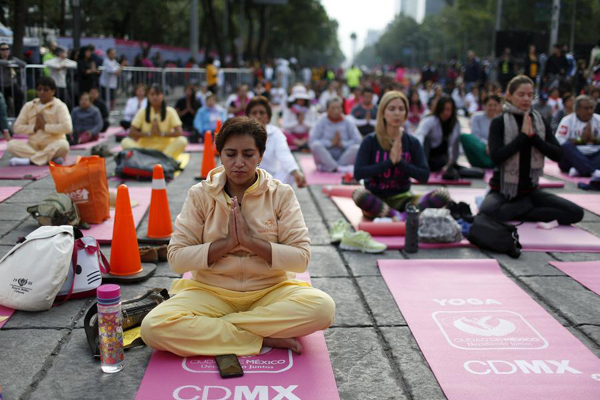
x=58 y=71
x=111 y=69
x=579 y=135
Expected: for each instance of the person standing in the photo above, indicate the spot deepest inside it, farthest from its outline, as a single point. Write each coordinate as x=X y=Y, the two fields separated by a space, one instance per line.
x=506 y=69
x=87 y=70
x=58 y=71
x=473 y=73
x=111 y=69
x=9 y=66
x=532 y=64
x=212 y=75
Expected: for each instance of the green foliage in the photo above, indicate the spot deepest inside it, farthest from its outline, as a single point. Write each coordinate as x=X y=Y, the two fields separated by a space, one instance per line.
x=469 y=24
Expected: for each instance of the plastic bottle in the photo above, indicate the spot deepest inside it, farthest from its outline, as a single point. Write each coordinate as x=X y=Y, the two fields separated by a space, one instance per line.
x=110 y=328
x=411 y=244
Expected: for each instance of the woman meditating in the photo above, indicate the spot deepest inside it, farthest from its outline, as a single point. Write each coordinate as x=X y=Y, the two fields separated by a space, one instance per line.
x=277 y=159
x=156 y=127
x=519 y=140
x=387 y=159
x=242 y=235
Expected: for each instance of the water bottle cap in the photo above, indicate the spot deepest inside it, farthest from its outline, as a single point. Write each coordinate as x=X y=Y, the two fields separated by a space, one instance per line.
x=109 y=292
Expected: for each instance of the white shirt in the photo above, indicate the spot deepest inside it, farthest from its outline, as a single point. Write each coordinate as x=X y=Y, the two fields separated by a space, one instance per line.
x=278 y=96
x=555 y=104
x=290 y=120
x=133 y=106
x=473 y=103
x=278 y=159
x=58 y=70
x=571 y=127
x=108 y=77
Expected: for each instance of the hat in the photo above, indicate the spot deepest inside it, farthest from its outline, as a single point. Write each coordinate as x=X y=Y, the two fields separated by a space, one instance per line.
x=544 y=96
x=299 y=92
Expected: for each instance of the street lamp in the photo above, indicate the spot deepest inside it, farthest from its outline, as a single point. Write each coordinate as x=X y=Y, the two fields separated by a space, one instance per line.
x=353 y=38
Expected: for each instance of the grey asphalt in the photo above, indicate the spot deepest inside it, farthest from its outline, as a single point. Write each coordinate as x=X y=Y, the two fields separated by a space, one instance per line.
x=374 y=355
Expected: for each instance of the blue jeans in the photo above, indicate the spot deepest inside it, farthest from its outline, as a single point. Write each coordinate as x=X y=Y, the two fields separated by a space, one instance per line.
x=573 y=158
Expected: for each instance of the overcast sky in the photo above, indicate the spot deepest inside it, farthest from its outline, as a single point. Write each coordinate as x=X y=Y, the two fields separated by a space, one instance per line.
x=358 y=16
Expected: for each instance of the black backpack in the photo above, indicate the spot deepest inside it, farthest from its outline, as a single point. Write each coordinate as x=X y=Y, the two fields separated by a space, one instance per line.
x=490 y=234
x=138 y=164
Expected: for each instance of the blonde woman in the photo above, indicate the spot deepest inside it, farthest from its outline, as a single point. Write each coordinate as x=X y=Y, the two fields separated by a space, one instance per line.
x=387 y=160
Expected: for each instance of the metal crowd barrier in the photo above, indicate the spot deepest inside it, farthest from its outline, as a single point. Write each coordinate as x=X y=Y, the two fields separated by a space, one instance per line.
x=173 y=81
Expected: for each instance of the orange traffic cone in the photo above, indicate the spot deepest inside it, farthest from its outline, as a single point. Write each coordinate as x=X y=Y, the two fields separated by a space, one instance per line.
x=218 y=128
x=124 y=253
x=159 y=219
x=208 y=157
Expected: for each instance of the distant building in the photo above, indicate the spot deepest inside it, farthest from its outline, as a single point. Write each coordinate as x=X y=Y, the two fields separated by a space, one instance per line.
x=372 y=37
x=419 y=9
x=410 y=8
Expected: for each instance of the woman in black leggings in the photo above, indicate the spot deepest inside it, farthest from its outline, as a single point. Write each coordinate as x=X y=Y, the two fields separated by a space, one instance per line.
x=519 y=140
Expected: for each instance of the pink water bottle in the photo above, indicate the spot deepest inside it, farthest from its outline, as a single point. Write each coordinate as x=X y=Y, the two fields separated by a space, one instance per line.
x=110 y=328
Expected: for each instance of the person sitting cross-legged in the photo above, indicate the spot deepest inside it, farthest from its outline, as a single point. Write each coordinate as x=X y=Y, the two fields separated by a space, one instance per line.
x=387 y=160
x=475 y=143
x=519 y=141
x=334 y=140
x=579 y=136
x=87 y=121
x=46 y=121
x=242 y=235
x=156 y=127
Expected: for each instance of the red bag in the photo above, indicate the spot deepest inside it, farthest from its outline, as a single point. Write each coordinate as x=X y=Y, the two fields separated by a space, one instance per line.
x=86 y=184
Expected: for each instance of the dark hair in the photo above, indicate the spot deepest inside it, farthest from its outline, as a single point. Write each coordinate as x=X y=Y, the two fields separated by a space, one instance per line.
x=259 y=101
x=517 y=81
x=411 y=92
x=84 y=94
x=59 y=50
x=448 y=125
x=239 y=126
x=109 y=50
x=494 y=97
x=195 y=103
x=566 y=96
x=368 y=90
x=163 y=106
x=140 y=85
x=46 y=81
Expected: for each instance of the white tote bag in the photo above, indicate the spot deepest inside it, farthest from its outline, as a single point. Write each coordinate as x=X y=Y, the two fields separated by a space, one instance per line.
x=32 y=272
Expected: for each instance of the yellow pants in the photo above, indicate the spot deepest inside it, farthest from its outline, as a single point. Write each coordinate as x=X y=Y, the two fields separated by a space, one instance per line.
x=39 y=153
x=171 y=146
x=207 y=320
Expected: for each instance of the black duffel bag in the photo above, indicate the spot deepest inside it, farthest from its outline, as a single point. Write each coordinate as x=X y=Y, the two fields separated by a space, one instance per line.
x=490 y=234
x=139 y=163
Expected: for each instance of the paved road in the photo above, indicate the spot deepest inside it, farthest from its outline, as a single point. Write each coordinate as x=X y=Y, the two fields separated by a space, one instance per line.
x=374 y=355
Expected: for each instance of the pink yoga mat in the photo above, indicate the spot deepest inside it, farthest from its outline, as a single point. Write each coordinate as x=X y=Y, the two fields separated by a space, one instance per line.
x=5 y=312
x=7 y=191
x=590 y=202
x=585 y=272
x=32 y=172
x=274 y=374
x=315 y=177
x=103 y=232
x=436 y=179
x=190 y=148
x=563 y=239
x=551 y=168
x=484 y=337
x=103 y=137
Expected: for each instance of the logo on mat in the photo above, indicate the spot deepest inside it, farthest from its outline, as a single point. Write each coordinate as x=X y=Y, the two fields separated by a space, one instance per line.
x=486 y=326
x=488 y=330
x=269 y=360
x=22 y=281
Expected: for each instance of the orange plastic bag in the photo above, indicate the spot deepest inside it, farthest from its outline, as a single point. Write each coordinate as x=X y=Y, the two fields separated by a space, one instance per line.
x=86 y=184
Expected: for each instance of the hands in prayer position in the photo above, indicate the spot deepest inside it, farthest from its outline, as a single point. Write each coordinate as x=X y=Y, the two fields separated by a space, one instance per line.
x=396 y=151
x=40 y=123
x=527 y=127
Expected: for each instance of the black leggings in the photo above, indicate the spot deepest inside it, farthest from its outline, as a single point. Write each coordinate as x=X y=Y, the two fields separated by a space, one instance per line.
x=537 y=206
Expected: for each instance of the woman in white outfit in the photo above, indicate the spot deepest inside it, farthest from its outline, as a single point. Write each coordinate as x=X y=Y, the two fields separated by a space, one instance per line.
x=277 y=159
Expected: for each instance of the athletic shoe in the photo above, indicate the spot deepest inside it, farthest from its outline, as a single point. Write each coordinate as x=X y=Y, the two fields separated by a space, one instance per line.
x=573 y=172
x=361 y=241
x=338 y=229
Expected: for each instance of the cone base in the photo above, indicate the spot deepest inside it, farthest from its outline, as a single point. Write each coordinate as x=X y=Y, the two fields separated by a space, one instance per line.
x=147 y=271
x=164 y=237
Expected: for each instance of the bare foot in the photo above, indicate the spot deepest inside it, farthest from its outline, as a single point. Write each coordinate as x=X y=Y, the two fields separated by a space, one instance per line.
x=289 y=343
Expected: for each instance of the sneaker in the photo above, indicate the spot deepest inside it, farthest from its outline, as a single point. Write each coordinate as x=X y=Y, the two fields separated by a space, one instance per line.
x=573 y=172
x=338 y=229
x=361 y=241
